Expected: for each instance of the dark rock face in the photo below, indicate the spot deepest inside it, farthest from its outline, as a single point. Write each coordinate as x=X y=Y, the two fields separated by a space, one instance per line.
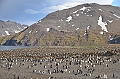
x=10 y=27
x=107 y=53
x=87 y=24
x=115 y=41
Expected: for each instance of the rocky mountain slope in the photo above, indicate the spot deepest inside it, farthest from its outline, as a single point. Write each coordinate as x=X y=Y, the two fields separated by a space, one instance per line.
x=86 y=24
x=10 y=27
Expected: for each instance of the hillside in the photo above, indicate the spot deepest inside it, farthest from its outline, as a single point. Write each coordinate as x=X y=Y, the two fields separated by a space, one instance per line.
x=86 y=24
x=10 y=27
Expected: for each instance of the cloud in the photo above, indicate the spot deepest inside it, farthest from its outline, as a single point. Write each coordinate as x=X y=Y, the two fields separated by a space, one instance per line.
x=58 y=7
x=81 y=1
x=30 y=11
x=30 y=22
x=70 y=3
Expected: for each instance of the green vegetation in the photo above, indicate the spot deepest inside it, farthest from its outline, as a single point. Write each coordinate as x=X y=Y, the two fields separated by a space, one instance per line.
x=61 y=39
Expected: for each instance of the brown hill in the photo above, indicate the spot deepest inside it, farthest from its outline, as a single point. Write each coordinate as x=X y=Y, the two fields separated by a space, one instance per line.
x=86 y=24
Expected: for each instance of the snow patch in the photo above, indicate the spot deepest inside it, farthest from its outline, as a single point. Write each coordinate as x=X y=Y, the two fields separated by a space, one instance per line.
x=59 y=26
x=69 y=18
x=76 y=11
x=110 y=21
x=39 y=21
x=88 y=10
x=111 y=38
x=36 y=31
x=24 y=27
x=60 y=20
x=77 y=14
x=30 y=31
x=116 y=16
x=84 y=8
x=73 y=25
x=18 y=27
x=16 y=31
x=77 y=29
x=101 y=32
x=100 y=9
x=48 y=29
x=7 y=32
x=102 y=24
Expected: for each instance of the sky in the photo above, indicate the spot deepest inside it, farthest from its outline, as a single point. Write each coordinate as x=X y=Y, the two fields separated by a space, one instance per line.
x=31 y=11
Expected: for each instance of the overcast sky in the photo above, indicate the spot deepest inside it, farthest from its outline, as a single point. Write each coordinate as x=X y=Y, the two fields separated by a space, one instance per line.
x=30 y=11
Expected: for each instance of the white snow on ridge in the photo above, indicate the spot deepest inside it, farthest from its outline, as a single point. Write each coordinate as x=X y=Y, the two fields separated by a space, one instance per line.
x=76 y=11
x=7 y=32
x=77 y=29
x=69 y=18
x=24 y=28
x=16 y=31
x=88 y=10
x=110 y=21
x=84 y=8
x=60 y=20
x=59 y=26
x=73 y=25
x=39 y=21
x=116 y=16
x=18 y=27
x=77 y=14
x=36 y=31
x=100 y=9
x=102 y=24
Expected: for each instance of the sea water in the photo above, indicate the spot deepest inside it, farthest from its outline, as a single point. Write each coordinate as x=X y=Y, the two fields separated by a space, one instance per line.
x=12 y=47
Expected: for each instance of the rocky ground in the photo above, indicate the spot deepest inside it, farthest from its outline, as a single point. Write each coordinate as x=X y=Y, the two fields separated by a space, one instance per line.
x=85 y=62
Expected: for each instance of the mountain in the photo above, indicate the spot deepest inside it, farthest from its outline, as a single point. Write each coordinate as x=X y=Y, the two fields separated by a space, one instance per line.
x=10 y=27
x=86 y=24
